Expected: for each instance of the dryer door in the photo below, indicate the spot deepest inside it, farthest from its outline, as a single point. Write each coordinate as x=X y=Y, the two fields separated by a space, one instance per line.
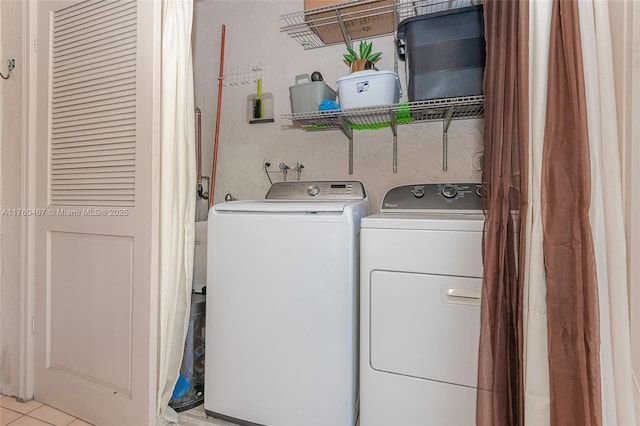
x=425 y=326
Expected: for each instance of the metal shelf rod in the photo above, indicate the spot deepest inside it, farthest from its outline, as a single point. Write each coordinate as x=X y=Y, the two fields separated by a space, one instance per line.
x=343 y=29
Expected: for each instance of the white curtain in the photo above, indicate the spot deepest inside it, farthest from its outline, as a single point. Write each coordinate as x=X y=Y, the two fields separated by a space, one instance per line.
x=534 y=316
x=177 y=195
x=631 y=130
x=607 y=215
x=629 y=126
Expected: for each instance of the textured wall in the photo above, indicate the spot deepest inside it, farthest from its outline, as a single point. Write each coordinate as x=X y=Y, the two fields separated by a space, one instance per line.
x=253 y=37
x=11 y=142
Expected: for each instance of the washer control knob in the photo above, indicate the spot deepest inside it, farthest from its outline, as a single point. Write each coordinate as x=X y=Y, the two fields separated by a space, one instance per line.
x=418 y=192
x=313 y=190
x=479 y=191
x=449 y=191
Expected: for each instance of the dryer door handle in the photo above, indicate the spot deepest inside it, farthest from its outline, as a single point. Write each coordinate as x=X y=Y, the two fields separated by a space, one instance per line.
x=463 y=295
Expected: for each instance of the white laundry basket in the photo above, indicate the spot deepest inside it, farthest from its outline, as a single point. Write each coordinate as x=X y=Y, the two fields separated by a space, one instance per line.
x=369 y=88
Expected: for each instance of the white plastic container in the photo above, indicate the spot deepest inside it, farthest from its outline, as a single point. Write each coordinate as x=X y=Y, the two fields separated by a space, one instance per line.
x=369 y=88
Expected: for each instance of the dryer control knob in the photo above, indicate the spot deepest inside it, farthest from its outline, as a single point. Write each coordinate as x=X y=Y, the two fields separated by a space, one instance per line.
x=418 y=192
x=313 y=190
x=449 y=191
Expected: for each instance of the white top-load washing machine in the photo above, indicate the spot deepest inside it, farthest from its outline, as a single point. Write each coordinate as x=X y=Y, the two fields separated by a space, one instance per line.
x=421 y=278
x=282 y=302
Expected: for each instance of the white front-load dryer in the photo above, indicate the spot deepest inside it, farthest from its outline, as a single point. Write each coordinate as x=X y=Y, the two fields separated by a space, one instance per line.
x=421 y=279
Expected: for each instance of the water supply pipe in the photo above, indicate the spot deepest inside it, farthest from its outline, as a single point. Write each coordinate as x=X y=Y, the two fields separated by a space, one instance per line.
x=200 y=189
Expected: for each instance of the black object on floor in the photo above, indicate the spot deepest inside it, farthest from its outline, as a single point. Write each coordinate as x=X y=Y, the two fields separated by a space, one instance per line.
x=189 y=391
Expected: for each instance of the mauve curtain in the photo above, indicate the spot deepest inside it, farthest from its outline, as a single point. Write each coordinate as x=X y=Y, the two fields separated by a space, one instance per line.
x=504 y=178
x=572 y=299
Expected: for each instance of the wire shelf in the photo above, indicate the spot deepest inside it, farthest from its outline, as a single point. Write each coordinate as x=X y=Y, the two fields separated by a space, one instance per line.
x=306 y=26
x=376 y=117
x=405 y=113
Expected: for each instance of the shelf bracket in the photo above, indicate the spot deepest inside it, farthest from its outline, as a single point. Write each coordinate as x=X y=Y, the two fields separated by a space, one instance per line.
x=394 y=130
x=445 y=135
x=348 y=132
x=351 y=155
x=343 y=28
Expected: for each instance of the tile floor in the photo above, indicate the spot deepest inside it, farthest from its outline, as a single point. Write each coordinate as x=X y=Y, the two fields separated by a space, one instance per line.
x=33 y=413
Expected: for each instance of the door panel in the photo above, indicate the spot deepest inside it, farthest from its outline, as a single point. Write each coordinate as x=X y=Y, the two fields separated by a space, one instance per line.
x=92 y=294
x=425 y=326
x=94 y=119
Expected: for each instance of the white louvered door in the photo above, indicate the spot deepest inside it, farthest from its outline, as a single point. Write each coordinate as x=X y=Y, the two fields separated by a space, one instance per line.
x=95 y=138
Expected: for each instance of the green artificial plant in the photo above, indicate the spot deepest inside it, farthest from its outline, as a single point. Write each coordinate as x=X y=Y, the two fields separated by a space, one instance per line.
x=365 y=60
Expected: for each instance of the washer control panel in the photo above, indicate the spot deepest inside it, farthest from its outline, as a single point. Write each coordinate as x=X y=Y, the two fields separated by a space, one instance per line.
x=433 y=196
x=316 y=190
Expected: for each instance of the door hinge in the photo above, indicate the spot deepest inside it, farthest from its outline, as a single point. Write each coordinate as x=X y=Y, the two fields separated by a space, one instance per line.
x=35 y=43
x=33 y=325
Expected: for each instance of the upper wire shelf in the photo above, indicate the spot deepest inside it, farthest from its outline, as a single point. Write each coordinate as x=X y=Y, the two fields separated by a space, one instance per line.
x=314 y=28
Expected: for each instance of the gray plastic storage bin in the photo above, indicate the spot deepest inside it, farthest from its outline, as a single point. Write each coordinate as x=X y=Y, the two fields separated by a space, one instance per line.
x=444 y=53
x=306 y=97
